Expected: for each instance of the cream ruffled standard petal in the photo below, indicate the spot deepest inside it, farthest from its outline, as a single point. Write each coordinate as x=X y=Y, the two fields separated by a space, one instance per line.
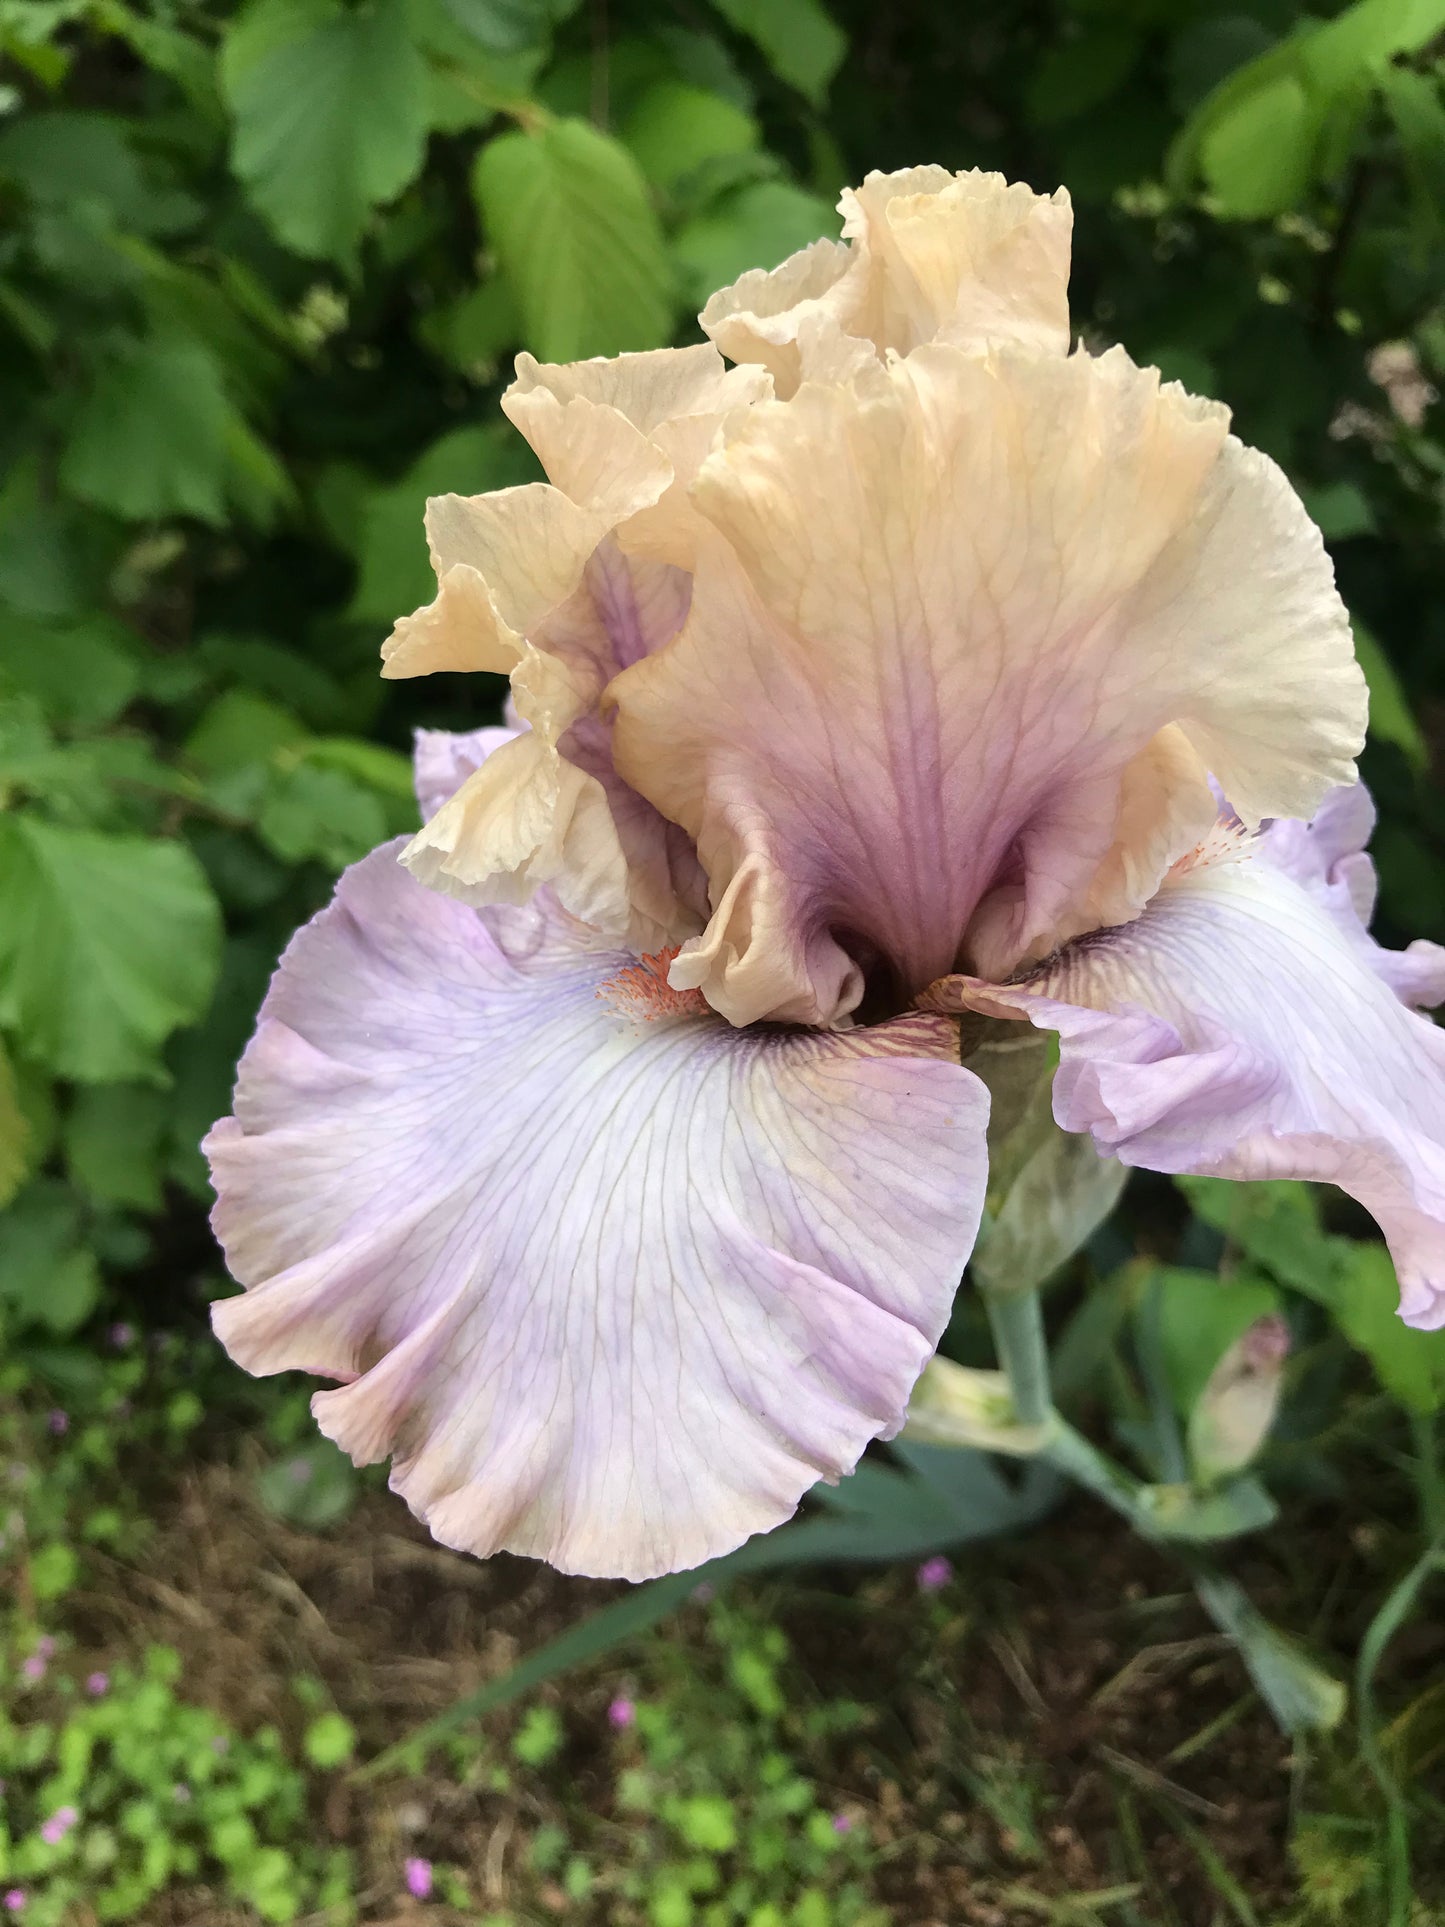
x=559 y=585
x=611 y=1292
x=1247 y=1026
x=926 y=256
x=919 y=697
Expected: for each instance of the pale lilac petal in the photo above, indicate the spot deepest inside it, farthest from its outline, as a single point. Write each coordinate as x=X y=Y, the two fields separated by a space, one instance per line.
x=613 y=1293
x=443 y=760
x=1246 y=1026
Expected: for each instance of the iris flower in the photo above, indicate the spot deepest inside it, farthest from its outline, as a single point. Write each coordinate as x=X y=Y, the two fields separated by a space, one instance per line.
x=612 y=1143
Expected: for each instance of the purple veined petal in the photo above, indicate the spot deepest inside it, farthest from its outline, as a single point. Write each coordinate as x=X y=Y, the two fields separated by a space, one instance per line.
x=1247 y=1026
x=612 y=1293
x=965 y=622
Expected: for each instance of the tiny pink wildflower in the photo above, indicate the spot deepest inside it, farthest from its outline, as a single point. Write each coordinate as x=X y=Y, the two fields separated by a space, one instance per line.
x=934 y=1573
x=97 y=1684
x=59 y=1422
x=34 y=1667
x=842 y=1823
x=622 y=1712
x=15 y=1899
x=418 y=1877
x=58 y=1825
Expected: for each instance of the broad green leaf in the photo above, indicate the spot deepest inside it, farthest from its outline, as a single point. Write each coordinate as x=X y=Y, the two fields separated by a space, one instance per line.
x=1391 y=719
x=68 y=157
x=1257 y=159
x=1292 y=114
x=395 y=573
x=503 y=26
x=1418 y=111
x=1276 y=1223
x=81 y=673
x=113 y=1143
x=384 y=770
x=1409 y=1364
x=754 y=227
x=240 y=731
x=1200 y=1317
x=107 y=945
x=320 y=813
x=567 y=211
x=40 y=569
x=156 y=435
x=48 y=1278
x=802 y=42
x=330 y=106
x=676 y=128
x=16 y=1138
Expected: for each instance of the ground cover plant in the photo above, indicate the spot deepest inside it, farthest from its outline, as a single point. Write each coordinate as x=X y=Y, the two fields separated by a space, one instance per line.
x=262 y=273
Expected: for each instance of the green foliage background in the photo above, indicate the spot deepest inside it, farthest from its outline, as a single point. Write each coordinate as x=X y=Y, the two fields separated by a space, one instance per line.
x=262 y=273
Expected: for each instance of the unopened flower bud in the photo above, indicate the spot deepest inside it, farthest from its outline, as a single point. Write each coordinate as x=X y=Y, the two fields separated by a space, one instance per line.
x=1235 y=1410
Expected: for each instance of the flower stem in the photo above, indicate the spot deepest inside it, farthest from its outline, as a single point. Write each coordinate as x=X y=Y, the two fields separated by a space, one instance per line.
x=1017 y=1320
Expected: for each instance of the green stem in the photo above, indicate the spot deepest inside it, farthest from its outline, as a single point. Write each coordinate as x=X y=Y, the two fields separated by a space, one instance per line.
x=1017 y=1320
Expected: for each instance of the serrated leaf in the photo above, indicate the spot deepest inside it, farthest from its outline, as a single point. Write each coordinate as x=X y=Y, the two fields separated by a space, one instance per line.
x=567 y=212
x=802 y=42
x=48 y=1277
x=320 y=813
x=107 y=945
x=156 y=434
x=66 y=157
x=330 y=107
x=81 y=673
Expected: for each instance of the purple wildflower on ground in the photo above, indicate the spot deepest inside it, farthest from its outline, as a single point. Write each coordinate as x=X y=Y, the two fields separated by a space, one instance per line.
x=934 y=1573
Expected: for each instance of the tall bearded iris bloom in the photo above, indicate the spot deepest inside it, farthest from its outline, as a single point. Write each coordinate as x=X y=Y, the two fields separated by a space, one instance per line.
x=612 y=1142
